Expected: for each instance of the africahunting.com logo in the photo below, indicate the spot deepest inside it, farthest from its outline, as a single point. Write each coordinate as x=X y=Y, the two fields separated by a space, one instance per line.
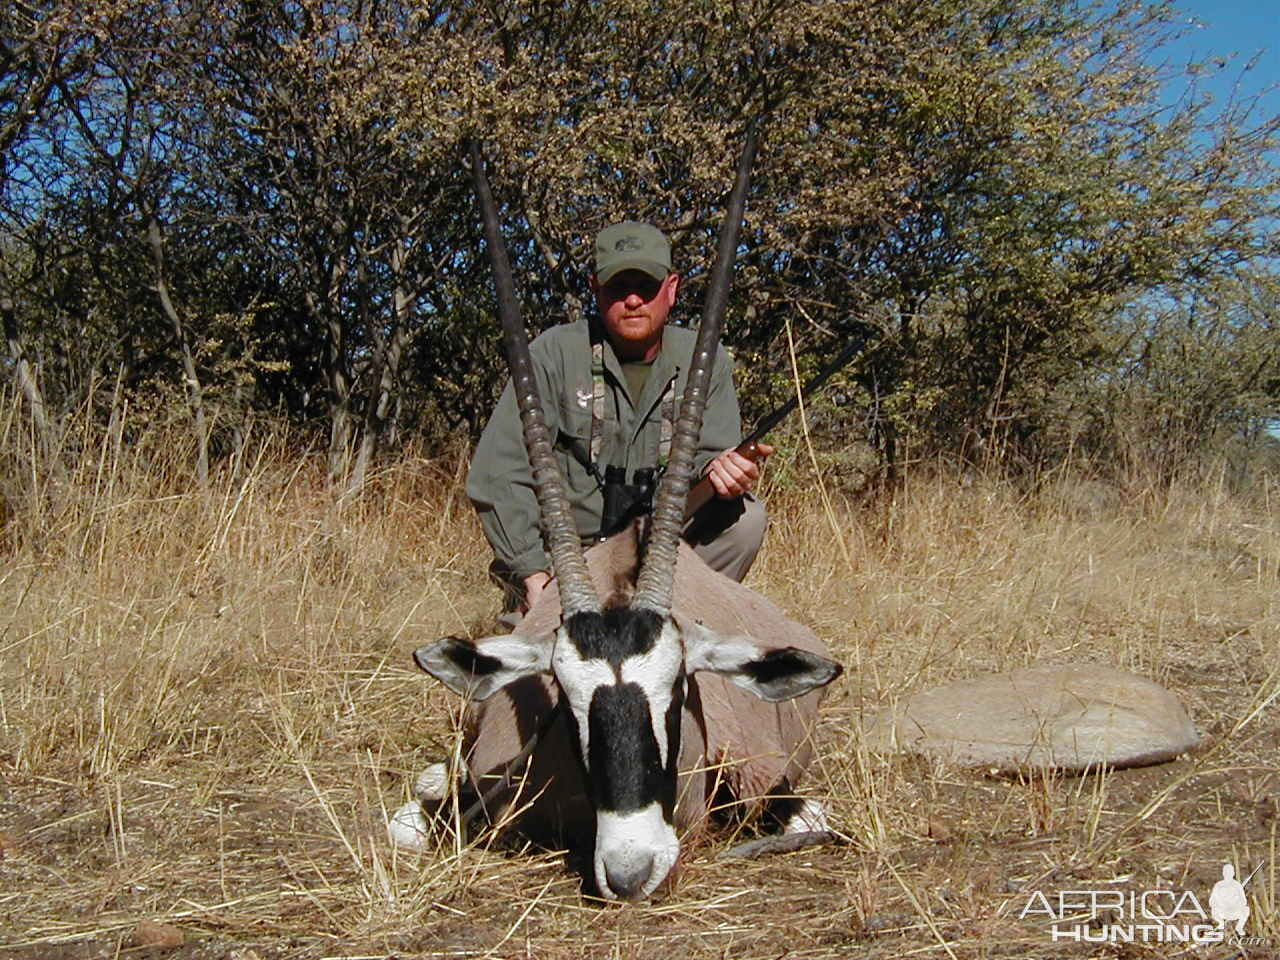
x=1160 y=915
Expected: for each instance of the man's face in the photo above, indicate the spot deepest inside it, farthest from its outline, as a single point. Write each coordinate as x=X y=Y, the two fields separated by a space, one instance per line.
x=634 y=308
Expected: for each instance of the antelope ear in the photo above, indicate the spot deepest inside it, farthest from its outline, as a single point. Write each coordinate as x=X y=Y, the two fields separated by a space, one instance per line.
x=479 y=670
x=771 y=673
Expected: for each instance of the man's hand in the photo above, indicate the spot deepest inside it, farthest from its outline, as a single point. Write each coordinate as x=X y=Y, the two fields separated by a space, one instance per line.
x=732 y=474
x=534 y=584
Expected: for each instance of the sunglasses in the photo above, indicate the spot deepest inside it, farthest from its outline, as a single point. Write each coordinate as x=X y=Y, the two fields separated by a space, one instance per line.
x=625 y=284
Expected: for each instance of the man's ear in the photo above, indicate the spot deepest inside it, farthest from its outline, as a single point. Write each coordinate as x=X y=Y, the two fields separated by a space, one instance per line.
x=673 y=288
x=771 y=673
x=479 y=670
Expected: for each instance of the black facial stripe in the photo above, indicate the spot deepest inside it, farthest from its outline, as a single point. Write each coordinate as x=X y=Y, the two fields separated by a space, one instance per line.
x=467 y=657
x=615 y=634
x=625 y=767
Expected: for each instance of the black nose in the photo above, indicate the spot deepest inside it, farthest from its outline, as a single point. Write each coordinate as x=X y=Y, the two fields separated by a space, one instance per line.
x=627 y=878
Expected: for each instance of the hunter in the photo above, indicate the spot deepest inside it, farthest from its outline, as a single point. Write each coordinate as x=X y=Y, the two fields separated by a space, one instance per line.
x=610 y=389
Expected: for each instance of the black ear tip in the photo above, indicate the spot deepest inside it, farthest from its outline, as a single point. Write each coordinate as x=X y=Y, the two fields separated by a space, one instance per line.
x=824 y=668
x=431 y=654
x=456 y=654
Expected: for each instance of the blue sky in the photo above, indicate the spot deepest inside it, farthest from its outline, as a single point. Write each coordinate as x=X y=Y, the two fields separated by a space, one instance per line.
x=1235 y=30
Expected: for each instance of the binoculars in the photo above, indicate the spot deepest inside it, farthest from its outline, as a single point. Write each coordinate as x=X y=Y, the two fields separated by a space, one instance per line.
x=623 y=501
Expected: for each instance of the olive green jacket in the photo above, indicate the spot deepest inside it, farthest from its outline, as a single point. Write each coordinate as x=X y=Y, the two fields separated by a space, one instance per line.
x=500 y=483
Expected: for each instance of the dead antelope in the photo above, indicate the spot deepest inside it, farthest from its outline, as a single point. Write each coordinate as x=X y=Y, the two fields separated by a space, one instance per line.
x=645 y=705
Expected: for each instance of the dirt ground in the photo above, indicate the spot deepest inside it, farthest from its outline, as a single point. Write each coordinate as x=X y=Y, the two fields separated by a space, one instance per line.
x=250 y=871
x=184 y=782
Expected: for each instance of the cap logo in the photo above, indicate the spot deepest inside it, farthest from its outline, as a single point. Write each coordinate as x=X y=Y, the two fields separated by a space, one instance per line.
x=629 y=243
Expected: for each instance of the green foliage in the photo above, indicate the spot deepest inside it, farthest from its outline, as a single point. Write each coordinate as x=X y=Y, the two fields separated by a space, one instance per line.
x=993 y=186
x=1186 y=379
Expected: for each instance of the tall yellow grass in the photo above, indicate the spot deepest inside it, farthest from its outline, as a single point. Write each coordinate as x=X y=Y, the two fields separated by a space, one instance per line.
x=207 y=706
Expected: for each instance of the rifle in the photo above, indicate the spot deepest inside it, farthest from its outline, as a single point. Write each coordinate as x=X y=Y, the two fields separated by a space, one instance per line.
x=701 y=492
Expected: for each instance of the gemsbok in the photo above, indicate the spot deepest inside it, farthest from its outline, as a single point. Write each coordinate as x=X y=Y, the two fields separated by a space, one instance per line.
x=681 y=687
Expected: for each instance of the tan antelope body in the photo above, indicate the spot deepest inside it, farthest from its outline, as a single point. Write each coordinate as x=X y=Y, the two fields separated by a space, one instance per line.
x=731 y=740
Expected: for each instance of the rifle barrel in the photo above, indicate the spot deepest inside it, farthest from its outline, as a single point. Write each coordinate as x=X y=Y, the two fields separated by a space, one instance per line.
x=702 y=491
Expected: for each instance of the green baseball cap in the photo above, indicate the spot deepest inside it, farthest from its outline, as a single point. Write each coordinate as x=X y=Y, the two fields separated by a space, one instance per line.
x=632 y=246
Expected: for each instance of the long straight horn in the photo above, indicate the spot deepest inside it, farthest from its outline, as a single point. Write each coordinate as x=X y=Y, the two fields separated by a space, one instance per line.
x=657 y=576
x=577 y=592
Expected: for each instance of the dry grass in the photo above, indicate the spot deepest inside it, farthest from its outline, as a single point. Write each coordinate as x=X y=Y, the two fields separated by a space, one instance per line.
x=207 y=707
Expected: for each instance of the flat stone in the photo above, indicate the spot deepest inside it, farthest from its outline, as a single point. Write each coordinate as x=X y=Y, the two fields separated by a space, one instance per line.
x=1062 y=717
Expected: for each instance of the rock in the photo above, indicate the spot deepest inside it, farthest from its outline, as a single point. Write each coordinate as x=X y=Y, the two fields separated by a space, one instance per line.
x=1063 y=717
x=149 y=933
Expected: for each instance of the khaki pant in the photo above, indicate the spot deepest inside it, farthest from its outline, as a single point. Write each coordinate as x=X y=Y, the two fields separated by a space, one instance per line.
x=726 y=534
